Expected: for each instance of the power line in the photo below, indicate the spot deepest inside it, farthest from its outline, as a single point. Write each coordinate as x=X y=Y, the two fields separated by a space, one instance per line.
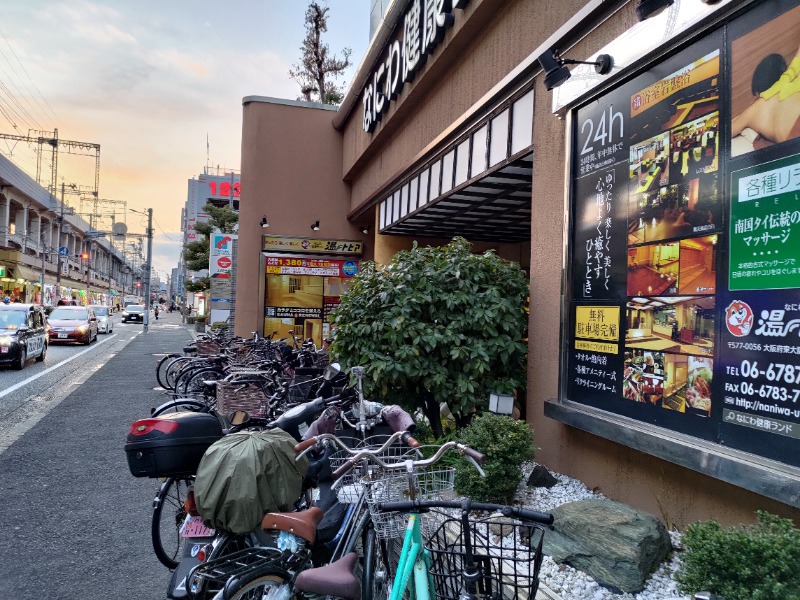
x=24 y=70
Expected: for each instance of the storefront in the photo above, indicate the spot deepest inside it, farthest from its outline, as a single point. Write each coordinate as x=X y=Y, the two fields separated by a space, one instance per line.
x=650 y=196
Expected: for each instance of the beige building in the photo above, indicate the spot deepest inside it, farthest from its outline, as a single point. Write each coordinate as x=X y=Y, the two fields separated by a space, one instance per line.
x=618 y=188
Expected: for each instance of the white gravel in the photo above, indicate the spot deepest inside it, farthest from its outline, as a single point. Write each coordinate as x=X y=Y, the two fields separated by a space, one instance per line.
x=572 y=584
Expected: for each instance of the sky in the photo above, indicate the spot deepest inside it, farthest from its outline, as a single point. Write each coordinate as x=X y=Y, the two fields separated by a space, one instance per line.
x=158 y=84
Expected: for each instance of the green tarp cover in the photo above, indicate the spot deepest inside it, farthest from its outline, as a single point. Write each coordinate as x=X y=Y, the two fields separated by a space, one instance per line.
x=246 y=474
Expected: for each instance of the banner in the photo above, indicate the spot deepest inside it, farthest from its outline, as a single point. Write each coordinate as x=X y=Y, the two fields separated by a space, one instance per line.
x=276 y=243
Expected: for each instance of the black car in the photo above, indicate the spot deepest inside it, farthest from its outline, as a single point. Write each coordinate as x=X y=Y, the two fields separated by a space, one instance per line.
x=23 y=334
x=133 y=313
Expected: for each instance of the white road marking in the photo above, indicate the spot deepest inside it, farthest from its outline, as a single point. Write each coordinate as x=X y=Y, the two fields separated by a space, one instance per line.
x=25 y=382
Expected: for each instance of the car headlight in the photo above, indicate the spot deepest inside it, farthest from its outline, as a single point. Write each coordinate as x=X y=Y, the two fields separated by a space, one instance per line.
x=83 y=328
x=5 y=341
x=124 y=313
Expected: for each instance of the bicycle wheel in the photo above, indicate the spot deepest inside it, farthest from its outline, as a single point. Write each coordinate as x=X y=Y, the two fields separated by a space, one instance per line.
x=186 y=374
x=181 y=405
x=168 y=516
x=256 y=588
x=377 y=576
x=161 y=369
x=174 y=369
x=225 y=543
x=195 y=384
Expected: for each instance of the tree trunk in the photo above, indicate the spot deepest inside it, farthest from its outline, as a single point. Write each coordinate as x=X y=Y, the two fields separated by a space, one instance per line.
x=430 y=408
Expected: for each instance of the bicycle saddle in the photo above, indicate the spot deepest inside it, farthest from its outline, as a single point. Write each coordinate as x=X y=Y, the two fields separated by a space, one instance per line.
x=303 y=524
x=335 y=579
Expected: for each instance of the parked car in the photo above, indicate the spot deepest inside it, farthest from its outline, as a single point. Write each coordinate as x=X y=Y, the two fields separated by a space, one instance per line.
x=133 y=312
x=22 y=334
x=105 y=324
x=73 y=324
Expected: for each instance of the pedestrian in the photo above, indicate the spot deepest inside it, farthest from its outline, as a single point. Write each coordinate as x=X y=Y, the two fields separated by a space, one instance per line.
x=156 y=311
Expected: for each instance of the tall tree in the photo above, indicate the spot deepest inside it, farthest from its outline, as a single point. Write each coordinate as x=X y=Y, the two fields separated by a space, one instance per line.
x=196 y=254
x=318 y=68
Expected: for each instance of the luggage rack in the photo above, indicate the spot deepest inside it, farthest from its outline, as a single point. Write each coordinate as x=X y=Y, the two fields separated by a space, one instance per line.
x=218 y=571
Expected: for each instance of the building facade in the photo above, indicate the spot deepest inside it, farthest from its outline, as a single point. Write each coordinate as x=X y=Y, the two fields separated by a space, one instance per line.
x=649 y=194
x=39 y=232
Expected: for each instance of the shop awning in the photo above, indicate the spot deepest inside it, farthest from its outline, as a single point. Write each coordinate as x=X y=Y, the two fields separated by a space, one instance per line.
x=494 y=208
x=25 y=272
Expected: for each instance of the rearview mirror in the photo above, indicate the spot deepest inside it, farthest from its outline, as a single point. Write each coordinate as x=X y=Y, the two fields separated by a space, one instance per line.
x=331 y=371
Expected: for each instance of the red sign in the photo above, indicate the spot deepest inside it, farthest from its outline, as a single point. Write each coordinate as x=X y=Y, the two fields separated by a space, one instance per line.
x=224 y=262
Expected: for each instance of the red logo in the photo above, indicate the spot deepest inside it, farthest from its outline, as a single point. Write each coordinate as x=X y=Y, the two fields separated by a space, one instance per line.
x=739 y=318
x=224 y=262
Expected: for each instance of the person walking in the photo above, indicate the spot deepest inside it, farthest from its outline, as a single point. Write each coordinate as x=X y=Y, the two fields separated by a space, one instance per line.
x=156 y=311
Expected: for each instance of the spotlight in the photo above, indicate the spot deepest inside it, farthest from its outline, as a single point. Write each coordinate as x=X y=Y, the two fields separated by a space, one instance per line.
x=556 y=73
x=315 y=225
x=365 y=230
x=650 y=8
x=264 y=222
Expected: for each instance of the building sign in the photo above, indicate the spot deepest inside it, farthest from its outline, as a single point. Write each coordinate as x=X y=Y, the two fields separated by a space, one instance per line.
x=422 y=28
x=219 y=255
x=683 y=305
x=279 y=265
x=276 y=243
x=219 y=187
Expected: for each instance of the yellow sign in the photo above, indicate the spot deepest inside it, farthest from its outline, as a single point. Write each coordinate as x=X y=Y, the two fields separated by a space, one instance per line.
x=597 y=322
x=277 y=243
x=596 y=346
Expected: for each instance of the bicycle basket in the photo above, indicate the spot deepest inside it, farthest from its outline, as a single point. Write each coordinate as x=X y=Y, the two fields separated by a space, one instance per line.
x=430 y=483
x=349 y=487
x=508 y=553
x=232 y=396
x=300 y=387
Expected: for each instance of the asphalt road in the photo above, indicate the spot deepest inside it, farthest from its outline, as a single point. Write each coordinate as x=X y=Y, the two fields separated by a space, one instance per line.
x=76 y=524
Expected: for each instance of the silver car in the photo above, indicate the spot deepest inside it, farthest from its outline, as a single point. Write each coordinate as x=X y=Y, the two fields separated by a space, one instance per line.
x=104 y=322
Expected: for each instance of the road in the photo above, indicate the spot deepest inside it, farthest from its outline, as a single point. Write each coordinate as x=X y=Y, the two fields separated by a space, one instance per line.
x=76 y=524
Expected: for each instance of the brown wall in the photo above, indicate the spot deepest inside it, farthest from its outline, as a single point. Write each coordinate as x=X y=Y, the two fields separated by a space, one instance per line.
x=291 y=172
x=489 y=38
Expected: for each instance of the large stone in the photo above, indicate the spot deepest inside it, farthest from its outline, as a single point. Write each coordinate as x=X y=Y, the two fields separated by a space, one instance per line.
x=541 y=477
x=617 y=545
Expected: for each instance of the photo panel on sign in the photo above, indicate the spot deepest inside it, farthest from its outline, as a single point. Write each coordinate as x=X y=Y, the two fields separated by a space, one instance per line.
x=679 y=324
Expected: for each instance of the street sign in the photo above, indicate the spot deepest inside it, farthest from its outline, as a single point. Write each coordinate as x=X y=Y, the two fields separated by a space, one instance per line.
x=63 y=250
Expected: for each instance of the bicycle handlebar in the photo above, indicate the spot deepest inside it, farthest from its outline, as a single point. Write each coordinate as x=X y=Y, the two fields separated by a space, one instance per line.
x=523 y=514
x=403 y=465
x=304 y=446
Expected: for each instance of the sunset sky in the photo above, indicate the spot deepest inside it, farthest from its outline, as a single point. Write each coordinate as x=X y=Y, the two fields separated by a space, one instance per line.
x=150 y=82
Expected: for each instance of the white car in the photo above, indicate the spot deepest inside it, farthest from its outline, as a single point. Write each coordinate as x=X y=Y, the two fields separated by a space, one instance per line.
x=104 y=322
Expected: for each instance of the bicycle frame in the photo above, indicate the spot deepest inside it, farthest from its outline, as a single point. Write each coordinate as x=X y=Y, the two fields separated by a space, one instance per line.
x=414 y=560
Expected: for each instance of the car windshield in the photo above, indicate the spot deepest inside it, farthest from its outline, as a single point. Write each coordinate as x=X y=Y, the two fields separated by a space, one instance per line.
x=12 y=319
x=101 y=311
x=135 y=308
x=69 y=314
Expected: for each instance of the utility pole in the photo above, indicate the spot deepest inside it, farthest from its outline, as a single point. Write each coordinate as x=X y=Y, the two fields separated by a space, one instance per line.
x=58 y=248
x=149 y=267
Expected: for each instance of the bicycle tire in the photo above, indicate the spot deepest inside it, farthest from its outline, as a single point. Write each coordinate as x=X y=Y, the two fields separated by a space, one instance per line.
x=188 y=372
x=257 y=587
x=376 y=574
x=225 y=543
x=195 y=384
x=161 y=369
x=168 y=516
x=181 y=405
x=174 y=369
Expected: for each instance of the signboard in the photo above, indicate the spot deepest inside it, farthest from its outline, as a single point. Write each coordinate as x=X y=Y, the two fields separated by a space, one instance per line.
x=279 y=265
x=63 y=250
x=276 y=243
x=683 y=305
x=219 y=254
x=219 y=187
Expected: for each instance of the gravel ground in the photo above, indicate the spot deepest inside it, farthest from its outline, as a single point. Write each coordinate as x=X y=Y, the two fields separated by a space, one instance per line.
x=572 y=584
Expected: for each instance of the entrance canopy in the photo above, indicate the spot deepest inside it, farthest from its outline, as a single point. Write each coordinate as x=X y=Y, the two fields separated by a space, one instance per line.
x=478 y=186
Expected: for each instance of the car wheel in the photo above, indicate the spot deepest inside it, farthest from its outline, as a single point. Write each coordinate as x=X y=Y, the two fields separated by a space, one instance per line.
x=23 y=358
x=41 y=357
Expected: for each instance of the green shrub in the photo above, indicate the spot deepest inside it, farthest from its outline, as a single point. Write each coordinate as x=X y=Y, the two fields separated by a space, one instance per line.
x=507 y=443
x=755 y=562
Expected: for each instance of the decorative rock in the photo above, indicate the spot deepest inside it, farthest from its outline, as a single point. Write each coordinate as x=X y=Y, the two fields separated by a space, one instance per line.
x=501 y=526
x=616 y=544
x=541 y=477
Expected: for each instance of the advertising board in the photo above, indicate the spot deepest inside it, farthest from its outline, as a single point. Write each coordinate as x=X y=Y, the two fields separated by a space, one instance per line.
x=683 y=305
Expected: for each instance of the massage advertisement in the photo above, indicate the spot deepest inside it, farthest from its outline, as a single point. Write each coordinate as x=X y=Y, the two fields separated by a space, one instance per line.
x=683 y=301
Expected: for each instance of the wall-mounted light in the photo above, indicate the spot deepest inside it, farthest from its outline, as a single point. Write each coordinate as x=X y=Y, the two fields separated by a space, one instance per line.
x=315 y=225
x=365 y=230
x=650 y=8
x=555 y=73
x=264 y=222
x=501 y=404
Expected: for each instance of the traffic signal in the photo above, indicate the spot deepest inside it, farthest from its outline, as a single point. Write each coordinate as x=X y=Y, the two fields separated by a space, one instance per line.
x=85 y=256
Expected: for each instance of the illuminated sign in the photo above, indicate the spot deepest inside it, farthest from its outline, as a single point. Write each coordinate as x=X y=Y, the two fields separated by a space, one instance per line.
x=278 y=265
x=219 y=187
x=275 y=243
x=422 y=27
